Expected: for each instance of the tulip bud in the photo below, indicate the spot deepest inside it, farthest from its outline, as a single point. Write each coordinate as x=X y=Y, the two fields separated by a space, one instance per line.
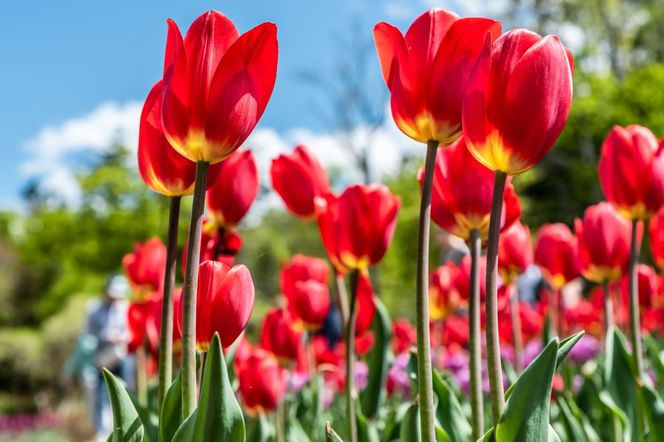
x=556 y=254
x=145 y=267
x=262 y=382
x=515 y=252
x=279 y=336
x=298 y=178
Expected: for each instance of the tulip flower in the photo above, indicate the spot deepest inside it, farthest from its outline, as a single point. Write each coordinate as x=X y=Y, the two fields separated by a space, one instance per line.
x=584 y=316
x=216 y=85
x=556 y=254
x=235 y=188
x=366 y=305
x=515 y=252
x=298 y=178
x=427 y=71
x=648 y=285
x=224 y=303
x=261 y=382
x=303 y=268
x=631 y=171
x=462 y=189
x=443 y=293
x=280 y=337
x=145 y=267
x=603 y=243
x=162 y=168
x=509 y=123
x=357 y=226
x=404 y=336
x=455 y=333
x=656 y=228
x=309 y=303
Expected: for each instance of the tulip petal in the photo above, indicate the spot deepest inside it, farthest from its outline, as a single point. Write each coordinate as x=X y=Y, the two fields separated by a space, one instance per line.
x=240 y=90
x=233 y=305
x=425 y=35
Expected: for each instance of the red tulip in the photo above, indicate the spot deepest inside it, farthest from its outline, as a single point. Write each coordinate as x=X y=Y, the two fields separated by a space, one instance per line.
x=224 y=303
x=556 y=254
x=366 y=305
x=145 y=267
x=518 y=100
x=309 y=303
x=235 y=188
x=631 y=171
x=427 y=70
x=455 y=333
x=279 y=336
x=404 y=335
x=143 y=322
x=515 y=252
x=584 y=316
x=218 y=243
x=604 y=240
x=656 y=227
x=462 y=279
x=444 y=297
x=357 y=227
x=298 y=178
x=262 y=382
x=216 y=85
x=461 y=197
x=303 y=268
x=647 y=283
x=531 y=319
x=163 y=169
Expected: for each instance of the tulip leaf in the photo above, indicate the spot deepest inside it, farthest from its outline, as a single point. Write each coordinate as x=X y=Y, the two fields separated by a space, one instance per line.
x=575 y=422
x=127 y=425
x=619 y=381
x=378 y=361
x=621 y=425
x=218 y=416
x=330 y=434
x=260 y=429
x=449 y=412
x=366 y=429
x=526 y=413
x=653 y=406
x=171 y=411
x=148 y=419
x=657 y=360
x=410 y=426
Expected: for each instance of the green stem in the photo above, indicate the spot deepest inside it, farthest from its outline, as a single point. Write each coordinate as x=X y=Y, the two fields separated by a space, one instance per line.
x=189 y=292
x=351 y=394
x=342 y=297
x=280 y=421
x=424 y=376
x=476 y=400
x=141 y=376
x=608 y=310
x=166 y=337
x=634 y=314
x=492 y=333
x=516 y=328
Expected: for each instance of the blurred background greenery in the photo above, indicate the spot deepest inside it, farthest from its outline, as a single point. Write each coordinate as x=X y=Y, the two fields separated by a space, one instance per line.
x=54 y=258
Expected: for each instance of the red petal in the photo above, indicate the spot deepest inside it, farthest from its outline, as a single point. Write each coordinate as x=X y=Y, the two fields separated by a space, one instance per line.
x=240 y=90
x=233 y=305
x=425 y=36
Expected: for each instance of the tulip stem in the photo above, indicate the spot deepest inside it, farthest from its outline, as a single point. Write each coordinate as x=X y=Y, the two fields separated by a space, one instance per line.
x=608 y=309
x=141 y=375
x=496 y=388
x=634 y=315
x=189 y=292
x=166 y=337
x=424 y=376
x=516 y=328
x=342 y=297
x=475 y=340
x=350 y=359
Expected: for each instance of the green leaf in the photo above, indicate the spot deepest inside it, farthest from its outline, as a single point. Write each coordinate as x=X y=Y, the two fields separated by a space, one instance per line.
x=330 y=434
x=654 y=410
x=656 y=359
x=366 y=429
x=127 y=426
x=449 y=412
x=378 y=361
x=410 y=426
x=621 y=425
x=393 y=422
x=218 y=416
x=577 y=424
x=148 y=419
x=526 y=413
x=260 y=429
x=171 y=411
x=619 y=381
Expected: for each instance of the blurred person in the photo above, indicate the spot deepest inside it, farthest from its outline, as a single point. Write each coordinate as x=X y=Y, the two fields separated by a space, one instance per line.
x=106 y=326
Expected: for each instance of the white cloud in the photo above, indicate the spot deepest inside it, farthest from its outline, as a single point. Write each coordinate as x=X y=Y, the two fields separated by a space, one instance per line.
x=50 y=151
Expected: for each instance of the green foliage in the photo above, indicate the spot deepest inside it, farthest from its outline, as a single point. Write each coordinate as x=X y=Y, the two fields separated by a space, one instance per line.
x=449 y=412
x=127 y=426
x=378 y=362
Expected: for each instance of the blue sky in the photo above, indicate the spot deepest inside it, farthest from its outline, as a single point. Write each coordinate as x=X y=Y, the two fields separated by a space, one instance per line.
x=61 y=61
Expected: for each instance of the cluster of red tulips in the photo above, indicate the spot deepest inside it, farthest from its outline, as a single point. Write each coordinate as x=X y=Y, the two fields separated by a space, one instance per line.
x=489 y=106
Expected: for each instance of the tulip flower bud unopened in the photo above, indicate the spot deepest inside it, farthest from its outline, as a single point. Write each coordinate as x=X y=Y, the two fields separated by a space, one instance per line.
x=556 y=254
